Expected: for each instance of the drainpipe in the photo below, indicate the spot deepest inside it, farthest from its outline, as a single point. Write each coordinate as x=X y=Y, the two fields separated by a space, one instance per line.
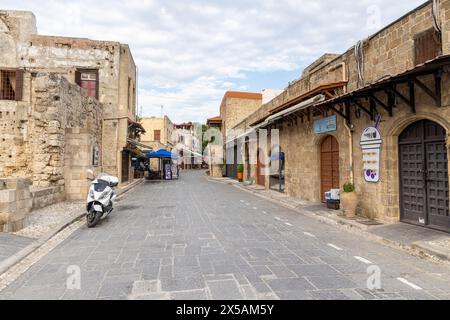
x=349 y=128
x=350 y=139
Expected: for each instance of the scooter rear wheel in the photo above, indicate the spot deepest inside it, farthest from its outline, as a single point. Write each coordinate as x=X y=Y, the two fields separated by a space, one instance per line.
x=93 y=218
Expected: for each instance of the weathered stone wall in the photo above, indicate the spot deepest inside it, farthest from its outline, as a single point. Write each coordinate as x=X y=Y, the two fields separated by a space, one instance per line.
x=25 y=49
x=43 y=197
x=61 y=109
x=15 y=203
x=389 y=52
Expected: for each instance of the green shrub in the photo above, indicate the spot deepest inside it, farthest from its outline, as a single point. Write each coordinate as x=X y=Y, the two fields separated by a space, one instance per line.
x=240 y=168
x=349 y=187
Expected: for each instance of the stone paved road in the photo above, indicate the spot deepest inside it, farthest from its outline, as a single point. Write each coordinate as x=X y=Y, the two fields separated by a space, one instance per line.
x=10 y=244
x=195 y=239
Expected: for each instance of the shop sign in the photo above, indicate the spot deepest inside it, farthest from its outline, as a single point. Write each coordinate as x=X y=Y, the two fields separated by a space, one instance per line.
x=174 y=171
x=325 y=125
x=168 y=171
x=371 y=142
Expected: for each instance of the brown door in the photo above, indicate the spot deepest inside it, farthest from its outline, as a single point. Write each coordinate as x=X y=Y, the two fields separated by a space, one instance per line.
x=125 y=166
x=260 y=176
x=329 y=165
x=424 y=195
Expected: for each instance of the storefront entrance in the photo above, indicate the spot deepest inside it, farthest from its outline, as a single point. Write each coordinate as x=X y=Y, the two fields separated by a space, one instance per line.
x=329 y=165
x=424 y=195
x=260 y=168
x=125 y=166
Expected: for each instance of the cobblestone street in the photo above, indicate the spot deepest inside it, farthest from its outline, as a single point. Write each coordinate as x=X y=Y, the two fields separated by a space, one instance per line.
x=197 y=239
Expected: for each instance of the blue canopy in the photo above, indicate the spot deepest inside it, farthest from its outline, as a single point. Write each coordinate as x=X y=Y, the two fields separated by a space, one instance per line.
x=162 y=154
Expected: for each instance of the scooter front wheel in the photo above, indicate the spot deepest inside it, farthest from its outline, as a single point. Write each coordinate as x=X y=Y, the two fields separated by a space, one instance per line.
x=93 y=218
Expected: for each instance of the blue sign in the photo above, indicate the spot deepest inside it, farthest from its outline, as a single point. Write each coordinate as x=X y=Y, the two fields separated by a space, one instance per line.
x=325 y=125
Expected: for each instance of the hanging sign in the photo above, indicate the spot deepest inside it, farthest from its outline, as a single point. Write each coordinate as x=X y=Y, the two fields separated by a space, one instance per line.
x=325 y=125
x=371 y=142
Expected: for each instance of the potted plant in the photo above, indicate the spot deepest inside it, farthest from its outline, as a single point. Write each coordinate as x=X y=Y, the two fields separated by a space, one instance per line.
x=240 y=172
x=349 y=200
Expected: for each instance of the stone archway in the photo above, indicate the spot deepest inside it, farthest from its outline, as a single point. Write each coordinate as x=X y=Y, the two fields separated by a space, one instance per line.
x=423 y=175
x=391 y=156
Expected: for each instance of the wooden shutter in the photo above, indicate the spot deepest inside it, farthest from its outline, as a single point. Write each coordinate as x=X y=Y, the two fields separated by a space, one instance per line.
x=78 y=77
x=427 y=46
x=97 y=85
x=157 y=135
x=19 y=85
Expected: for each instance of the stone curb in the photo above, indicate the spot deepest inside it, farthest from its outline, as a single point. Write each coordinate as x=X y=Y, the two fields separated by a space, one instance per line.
x=419 y=248
x=7 y=264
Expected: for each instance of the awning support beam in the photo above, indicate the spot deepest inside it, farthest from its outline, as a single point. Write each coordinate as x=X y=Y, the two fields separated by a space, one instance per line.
x=400 y=95
x=412 y=95
x=427 y=90
x=437 y=85
x=360 y=106
x=381 y=103
x=332 y=107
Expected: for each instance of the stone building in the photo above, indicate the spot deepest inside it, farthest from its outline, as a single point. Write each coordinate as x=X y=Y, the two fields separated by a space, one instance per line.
x=235 y=106
x=377 y=115
x=66 y=105
x=214 y=147
x=159 y=134
x=188 y=137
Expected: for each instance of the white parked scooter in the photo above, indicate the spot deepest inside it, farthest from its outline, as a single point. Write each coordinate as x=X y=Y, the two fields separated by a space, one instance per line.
x=100 y=198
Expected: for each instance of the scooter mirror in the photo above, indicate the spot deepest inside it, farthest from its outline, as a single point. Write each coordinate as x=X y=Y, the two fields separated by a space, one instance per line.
x=90 y=175
x=114 y=182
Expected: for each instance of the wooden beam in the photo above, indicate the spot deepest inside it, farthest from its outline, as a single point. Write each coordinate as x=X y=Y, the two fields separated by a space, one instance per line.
x=373 y=106
x=360 y=106
x=391 y=100
x=412 y=95
x=338 y=112
x=381 y=103
x=437 y=86
x=401 y=96
x=427 y=90
x=347 y=108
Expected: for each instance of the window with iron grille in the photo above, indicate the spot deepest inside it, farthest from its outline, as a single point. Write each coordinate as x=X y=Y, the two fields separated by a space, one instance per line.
x=11 y=83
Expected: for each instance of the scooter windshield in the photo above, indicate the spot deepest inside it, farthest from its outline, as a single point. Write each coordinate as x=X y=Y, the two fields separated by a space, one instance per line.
x=101 y=185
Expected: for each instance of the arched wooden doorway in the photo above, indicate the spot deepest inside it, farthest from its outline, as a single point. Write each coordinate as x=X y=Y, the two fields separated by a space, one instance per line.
x=329 y=160
x=424 y=192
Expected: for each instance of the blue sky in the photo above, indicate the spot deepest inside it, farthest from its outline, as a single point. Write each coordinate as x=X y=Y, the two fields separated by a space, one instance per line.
x=190 y=52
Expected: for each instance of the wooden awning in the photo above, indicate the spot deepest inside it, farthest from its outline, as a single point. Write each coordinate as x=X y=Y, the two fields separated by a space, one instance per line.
x=326 y=90
x=388 y=86
x=136 y=125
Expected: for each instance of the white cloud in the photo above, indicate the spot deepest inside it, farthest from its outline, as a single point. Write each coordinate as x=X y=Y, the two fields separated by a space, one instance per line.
x=189 y=52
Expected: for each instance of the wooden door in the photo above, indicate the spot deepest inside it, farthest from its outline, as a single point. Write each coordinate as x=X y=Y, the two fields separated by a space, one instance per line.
x=424 y=192
x=125 y=166
x=329 y=165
